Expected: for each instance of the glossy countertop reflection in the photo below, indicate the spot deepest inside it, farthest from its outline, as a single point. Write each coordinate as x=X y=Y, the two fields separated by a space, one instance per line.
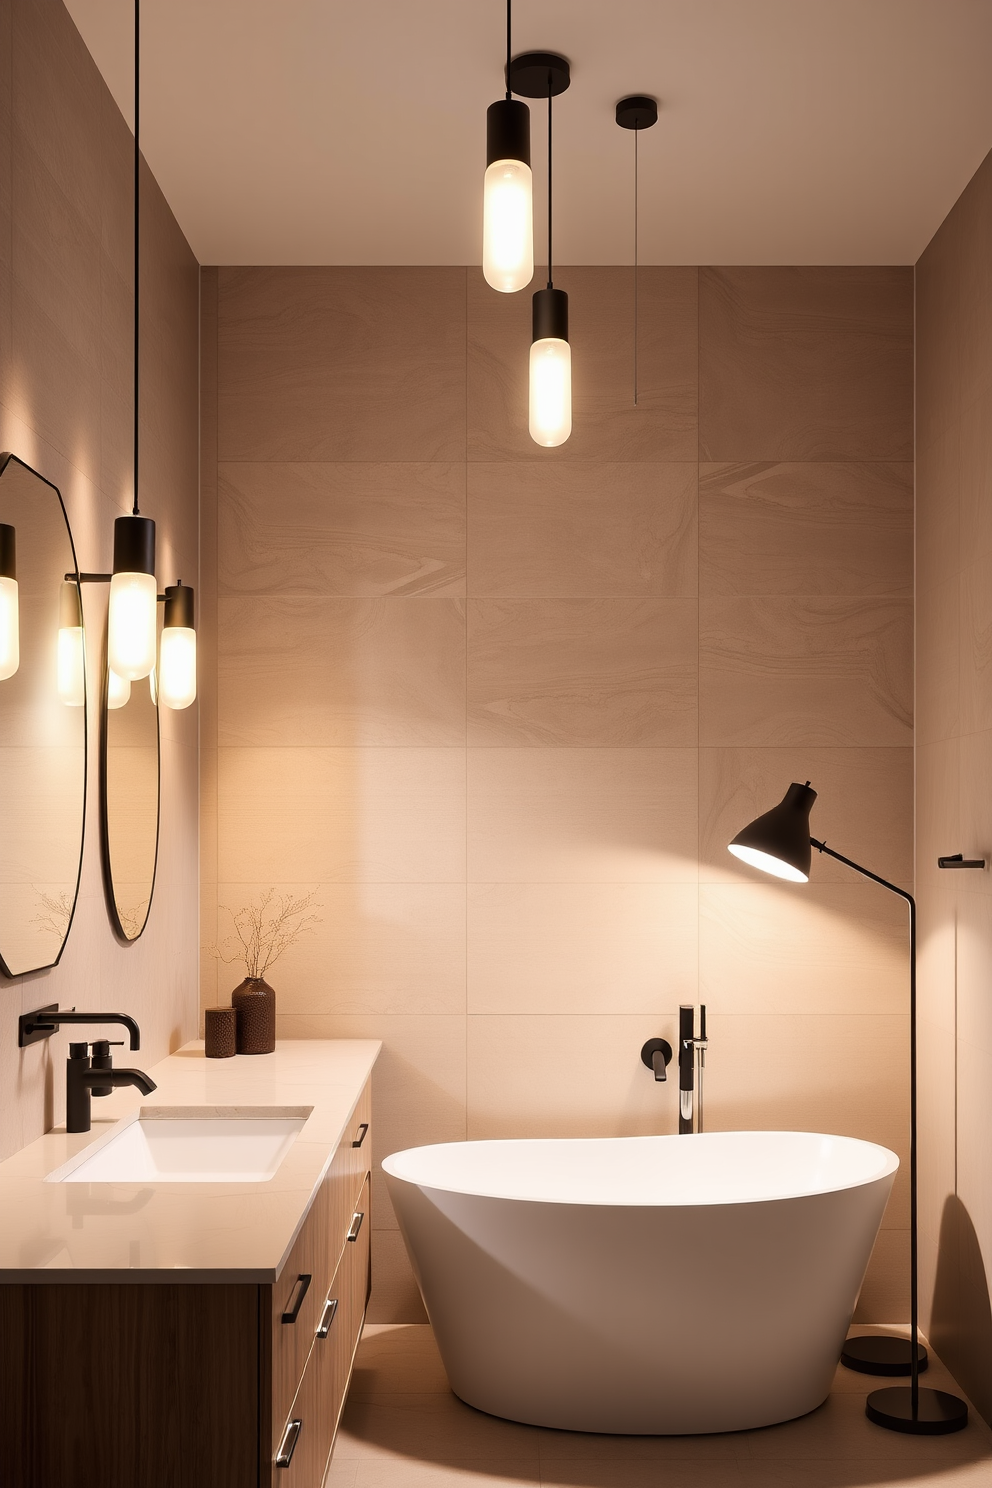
x=192 y=1232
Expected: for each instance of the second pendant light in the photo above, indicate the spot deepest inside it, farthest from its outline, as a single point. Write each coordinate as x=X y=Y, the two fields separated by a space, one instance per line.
x=545 y=75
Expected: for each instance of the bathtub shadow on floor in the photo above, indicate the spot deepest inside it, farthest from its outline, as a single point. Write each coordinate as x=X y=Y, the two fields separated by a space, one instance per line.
x=403 y=1428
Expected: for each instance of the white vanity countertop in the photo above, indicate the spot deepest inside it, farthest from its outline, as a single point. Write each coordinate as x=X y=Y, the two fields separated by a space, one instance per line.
x=191 y=1232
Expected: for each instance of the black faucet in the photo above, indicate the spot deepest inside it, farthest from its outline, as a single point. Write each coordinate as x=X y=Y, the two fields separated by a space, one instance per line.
x=656 y=1054
x=45 y=1021
x=81 y=1077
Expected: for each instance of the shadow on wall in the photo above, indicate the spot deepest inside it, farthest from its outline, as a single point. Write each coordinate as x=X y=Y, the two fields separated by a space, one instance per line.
x=961 y=1320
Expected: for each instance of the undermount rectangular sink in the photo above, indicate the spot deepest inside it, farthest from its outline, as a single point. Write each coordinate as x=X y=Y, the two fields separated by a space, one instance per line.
x=190 y=1144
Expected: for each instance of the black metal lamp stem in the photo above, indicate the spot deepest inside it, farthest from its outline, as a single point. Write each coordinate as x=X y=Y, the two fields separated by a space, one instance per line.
x=550 y=280
x=509 y=49
x=914 y=1302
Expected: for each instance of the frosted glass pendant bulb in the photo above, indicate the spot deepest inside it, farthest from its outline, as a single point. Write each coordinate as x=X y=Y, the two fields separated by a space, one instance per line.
x=71 y=660
x=550 y=370
x=118 y=690
x=177 y=660
x=508 y=198
x=133 y=618
x=10 y=645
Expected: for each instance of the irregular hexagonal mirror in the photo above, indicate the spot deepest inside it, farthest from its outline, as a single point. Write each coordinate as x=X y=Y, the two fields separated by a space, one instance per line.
x=42 y=721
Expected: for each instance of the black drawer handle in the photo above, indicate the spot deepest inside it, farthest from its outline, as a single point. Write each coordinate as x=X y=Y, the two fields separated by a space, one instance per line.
x=303 y=1282
x=362 y=1134
x=287 y=1446
x=356 y=1225
x=327 y=1317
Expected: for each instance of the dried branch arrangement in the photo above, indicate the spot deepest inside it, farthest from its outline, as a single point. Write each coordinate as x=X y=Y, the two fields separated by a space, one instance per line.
x=265 y=929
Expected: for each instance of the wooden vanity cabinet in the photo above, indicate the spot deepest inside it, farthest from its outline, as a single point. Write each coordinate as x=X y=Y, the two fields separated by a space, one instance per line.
x=172 y=1385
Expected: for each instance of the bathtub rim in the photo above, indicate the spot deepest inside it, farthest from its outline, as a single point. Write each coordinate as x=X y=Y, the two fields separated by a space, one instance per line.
x=887 y=1171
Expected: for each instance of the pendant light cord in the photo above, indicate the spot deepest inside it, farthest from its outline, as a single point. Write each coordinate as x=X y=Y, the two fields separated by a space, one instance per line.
x=509 y=52
x=550 y=277
x=137 y=172
x=635 y=132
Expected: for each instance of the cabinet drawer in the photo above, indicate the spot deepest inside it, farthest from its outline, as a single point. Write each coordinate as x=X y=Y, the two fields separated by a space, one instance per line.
x=348 y=1172
x=307 y=1434
x=297 y=1298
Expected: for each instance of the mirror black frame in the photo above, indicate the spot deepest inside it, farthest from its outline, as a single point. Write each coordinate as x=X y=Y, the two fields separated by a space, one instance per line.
x=6 y=458
x=108 y=871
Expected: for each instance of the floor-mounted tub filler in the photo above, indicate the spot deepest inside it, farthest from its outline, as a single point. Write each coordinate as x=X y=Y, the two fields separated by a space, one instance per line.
x=642 y=1284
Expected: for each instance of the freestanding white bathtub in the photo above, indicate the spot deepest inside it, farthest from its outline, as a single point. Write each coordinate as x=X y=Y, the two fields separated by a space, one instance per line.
x=642 y=1284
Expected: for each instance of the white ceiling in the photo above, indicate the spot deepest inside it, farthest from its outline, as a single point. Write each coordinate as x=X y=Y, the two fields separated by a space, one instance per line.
x=353 y=131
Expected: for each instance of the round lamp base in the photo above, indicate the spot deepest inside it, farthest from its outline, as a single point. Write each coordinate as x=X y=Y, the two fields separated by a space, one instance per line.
x=875 y=1353
x=937 y=1413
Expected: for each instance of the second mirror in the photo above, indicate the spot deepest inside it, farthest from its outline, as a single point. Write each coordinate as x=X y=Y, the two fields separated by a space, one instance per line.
x=130 y=792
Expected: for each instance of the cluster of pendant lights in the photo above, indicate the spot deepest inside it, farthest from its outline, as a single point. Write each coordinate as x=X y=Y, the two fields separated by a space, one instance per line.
x=133 y=646
x=508 y=234
x=508 y=227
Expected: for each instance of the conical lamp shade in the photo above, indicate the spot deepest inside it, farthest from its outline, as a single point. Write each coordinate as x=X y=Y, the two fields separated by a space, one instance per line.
x=779 y=842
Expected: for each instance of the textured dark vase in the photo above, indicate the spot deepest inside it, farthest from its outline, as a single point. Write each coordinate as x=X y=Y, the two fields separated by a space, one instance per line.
x=255 y=1004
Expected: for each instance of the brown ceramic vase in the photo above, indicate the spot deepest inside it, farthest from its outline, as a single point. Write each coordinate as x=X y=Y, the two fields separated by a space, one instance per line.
x=255 y=1004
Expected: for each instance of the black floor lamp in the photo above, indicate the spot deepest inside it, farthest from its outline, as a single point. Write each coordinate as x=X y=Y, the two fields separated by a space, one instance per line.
x=779 y=843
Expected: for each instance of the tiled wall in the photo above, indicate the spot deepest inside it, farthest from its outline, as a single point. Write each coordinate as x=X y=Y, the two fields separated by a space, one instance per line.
x=505 y=707
x=954 y=770
x=65 y=407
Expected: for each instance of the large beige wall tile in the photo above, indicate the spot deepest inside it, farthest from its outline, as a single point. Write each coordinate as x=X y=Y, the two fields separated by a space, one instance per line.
x=581 y=948
x=845 y=1073
x=556 y=1076
x=938 y=490
x=861 y=808
x=390 y=948
x=585 y=672
x=973 y=947
x=938 y=661
x=395 y=1294
x=939 y=391
x=798 y=671
x=976 y=645
x=606 y=425
x=392 y=389
x=974 y=506
x=341 y=815
x=341 y=671
x=803 y=948
x=940 y=820
x=418 y=1084
x=55 y=252
x=806 y=364
x=594 y=528
x=347 y=529
x=582 y=816
x=806 y=528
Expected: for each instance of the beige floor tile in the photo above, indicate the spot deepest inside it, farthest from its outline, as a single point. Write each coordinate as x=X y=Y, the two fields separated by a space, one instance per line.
x=399 y=338
x=841 y=1430
x=341 y=1473
x=342 y=815
x=345 y=672
x=660 y=1471
x=582 y=816
x=587 y=672
x=470 y=1472
x=806 y=528
x=863 y=808
x=581 y=948
x=432 y=1428
x=581 y=1446
x=576 y=530
x=805 y=671
x=856 y=1472
x=806 y=363
x=396 y=1359
x=355 y=529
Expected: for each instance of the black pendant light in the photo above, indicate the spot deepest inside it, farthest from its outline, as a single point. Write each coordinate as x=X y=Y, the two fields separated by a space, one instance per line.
x=508 y=193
